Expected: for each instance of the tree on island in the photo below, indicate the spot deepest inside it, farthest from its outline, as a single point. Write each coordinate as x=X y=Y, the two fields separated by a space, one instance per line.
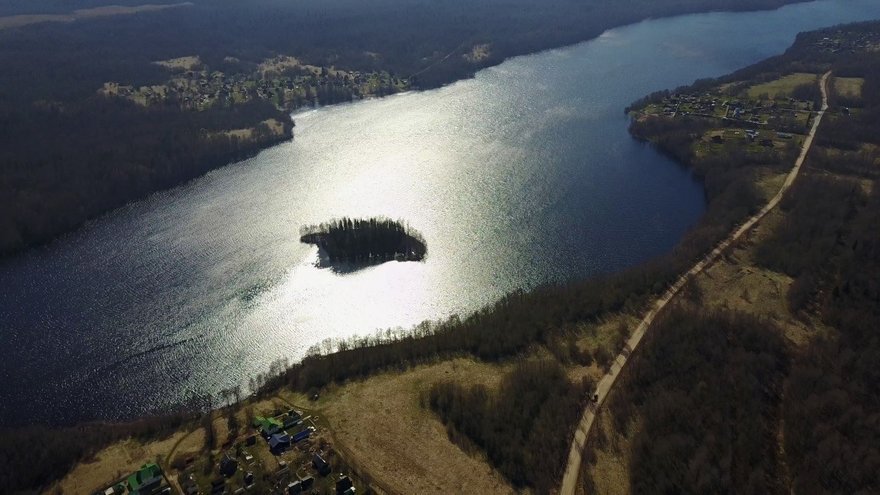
x=366 y=240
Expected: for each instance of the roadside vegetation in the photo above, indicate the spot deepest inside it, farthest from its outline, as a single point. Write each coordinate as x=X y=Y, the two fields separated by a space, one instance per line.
x=521 y=425
x=707 y=388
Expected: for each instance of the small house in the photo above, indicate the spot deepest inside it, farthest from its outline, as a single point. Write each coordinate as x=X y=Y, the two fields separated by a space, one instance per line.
x=307 y=482
x=322 y=466
x=343 y=484
x=228 y=466
x=146 y=481
x=279 y=442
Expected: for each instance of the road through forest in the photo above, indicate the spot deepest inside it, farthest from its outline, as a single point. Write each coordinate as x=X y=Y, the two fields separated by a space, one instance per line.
x=572 y=468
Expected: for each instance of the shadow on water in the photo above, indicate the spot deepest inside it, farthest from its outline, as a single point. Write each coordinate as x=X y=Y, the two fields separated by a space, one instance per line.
x=341 y=267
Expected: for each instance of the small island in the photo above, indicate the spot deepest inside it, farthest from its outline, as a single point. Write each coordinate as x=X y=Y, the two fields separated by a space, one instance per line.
x=372 y=240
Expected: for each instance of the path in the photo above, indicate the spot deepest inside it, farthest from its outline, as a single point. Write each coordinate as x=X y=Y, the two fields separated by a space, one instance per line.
x=572 y=469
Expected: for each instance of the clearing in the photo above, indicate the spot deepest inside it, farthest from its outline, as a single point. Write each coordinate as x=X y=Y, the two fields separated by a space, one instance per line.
x=782 y=87
x=849 y=86
x=382 y=428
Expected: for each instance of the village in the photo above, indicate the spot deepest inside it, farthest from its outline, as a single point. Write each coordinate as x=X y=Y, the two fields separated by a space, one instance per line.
x=288 y=453
x=755 y=118
x=283 y=81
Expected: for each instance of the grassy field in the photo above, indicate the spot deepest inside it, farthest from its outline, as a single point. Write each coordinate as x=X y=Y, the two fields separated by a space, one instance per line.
x=783 y=87
x=384 y=429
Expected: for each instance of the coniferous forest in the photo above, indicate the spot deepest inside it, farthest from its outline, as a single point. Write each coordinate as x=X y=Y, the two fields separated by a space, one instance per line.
x=366 y=240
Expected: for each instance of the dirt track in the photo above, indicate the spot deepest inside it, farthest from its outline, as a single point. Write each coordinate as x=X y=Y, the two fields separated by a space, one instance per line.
x=572 y=468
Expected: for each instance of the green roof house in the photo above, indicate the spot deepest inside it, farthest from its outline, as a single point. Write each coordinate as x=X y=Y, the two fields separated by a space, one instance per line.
x=146 y=481
x=269 y=426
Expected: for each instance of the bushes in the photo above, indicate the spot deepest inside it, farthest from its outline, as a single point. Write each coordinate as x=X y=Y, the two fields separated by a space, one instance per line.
x=524 y=427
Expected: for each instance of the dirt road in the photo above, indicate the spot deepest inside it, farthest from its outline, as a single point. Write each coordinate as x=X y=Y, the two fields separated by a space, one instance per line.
x=572 y=468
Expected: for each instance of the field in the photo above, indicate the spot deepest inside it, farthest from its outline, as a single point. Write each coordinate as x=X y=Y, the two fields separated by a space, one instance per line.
x=849 y=86
x=384 y=429
x=783 y=87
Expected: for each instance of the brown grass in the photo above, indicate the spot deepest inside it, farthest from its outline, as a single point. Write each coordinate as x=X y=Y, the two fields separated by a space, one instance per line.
x=381 y=427
x=118 y=460
x=610 y=473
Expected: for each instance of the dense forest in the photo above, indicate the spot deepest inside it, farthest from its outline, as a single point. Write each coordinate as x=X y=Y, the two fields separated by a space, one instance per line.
x=521 y=426
x=366 y=240
x=69 y=156
x=707 y=387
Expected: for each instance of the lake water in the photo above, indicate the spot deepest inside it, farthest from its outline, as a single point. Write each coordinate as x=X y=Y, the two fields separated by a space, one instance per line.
x=522 y=176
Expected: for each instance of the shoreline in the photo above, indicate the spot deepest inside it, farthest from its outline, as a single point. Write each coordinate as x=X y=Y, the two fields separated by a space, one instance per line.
x=258 y=148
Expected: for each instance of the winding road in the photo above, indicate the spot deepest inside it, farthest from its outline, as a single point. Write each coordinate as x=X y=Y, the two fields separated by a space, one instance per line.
x=572 y=468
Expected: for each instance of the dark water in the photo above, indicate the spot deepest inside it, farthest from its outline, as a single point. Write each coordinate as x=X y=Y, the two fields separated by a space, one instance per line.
x=521 y=176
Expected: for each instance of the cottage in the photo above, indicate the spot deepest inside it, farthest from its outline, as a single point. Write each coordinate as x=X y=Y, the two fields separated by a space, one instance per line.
x=343 y=484
x=228 y=466
x=268 y=426
x=322 y=466
x=279 y=442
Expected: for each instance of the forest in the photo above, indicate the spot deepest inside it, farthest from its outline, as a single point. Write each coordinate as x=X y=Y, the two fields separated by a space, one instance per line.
x=521 y=426
x=829 y=244
x=366 y=240
x=68 y=156
x=707 y=387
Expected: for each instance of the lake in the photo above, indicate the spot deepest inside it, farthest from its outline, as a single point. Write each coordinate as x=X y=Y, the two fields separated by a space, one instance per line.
x=522 y=176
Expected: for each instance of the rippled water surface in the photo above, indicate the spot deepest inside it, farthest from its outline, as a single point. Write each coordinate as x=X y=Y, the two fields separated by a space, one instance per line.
x=521 y=176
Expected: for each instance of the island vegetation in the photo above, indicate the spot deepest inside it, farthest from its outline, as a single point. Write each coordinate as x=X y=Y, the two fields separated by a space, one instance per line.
x=366 y=240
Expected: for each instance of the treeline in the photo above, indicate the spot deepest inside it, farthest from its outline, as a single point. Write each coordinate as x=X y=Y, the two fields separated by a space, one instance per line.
x=51 y=72
x=524 y=426
x=366 y=239
x=500 y=331
x=63 y=164
x=706 y=387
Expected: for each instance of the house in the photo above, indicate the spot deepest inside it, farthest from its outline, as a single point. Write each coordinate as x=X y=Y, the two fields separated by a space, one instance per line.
x=307 y=482
x=322 y=466
x=228 y=466
x=279 y=442
x=146 y=481
x=343 y=484
x=268 y=426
